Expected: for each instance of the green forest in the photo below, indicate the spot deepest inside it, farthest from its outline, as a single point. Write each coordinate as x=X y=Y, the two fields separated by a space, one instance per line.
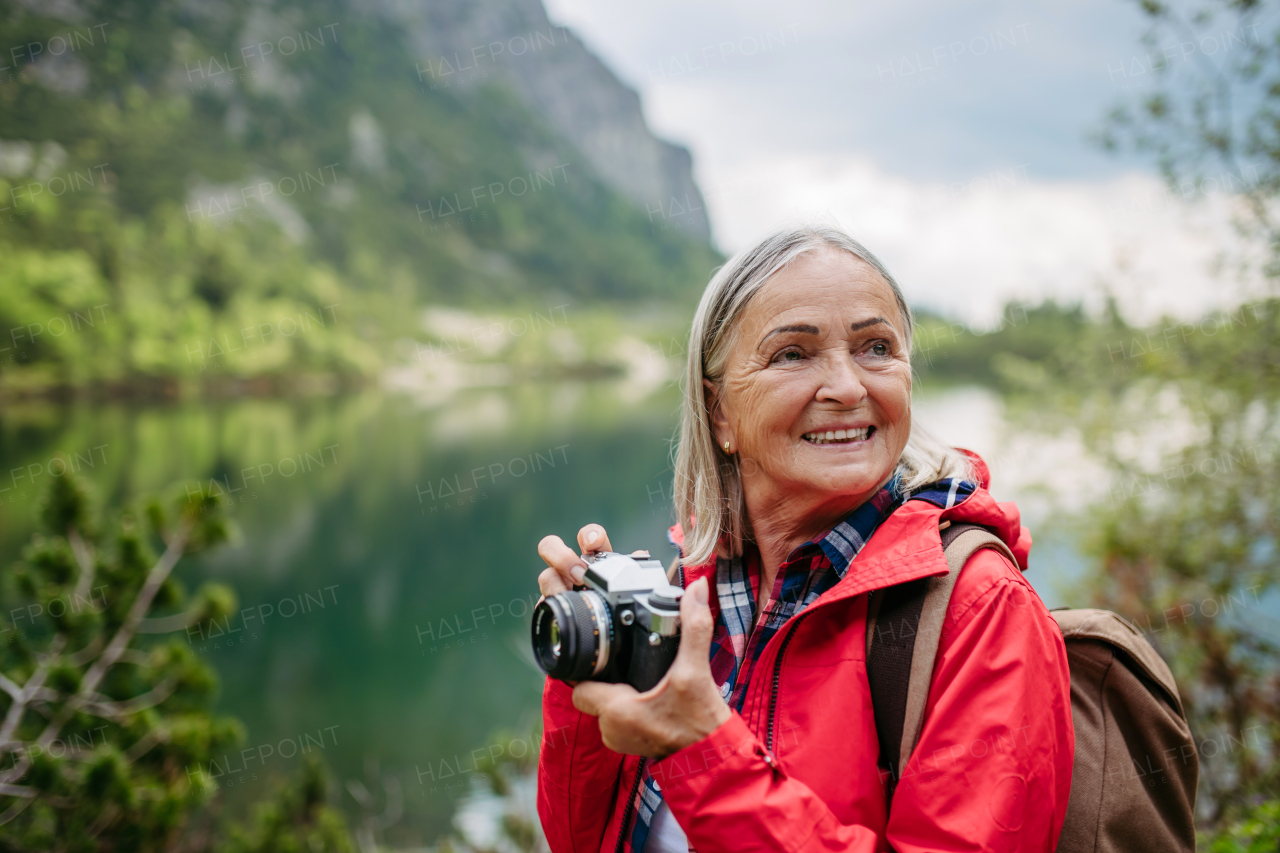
x=167 y=225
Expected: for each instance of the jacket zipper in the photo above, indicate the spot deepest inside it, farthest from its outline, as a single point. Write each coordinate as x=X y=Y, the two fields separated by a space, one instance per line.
x=777 y=675
x=773 y=701
x=635 y=785
x=631 y=803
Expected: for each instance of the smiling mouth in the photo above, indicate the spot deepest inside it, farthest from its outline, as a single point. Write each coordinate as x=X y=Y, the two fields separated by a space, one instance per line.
x=839 y=436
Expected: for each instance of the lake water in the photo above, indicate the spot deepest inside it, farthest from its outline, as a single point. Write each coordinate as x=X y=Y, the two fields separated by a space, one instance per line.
x=386 y=551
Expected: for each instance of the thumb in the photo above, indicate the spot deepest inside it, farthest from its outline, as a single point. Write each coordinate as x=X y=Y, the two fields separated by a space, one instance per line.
x=696 y=625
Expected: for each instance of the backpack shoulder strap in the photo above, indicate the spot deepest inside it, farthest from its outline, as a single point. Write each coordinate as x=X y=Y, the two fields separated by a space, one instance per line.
x=904 y=625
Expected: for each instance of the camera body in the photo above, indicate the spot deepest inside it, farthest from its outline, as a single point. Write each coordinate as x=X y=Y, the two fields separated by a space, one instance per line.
x=621 y=626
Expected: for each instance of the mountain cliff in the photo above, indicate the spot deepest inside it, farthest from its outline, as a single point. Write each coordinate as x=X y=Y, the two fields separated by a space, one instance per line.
x=459 y=43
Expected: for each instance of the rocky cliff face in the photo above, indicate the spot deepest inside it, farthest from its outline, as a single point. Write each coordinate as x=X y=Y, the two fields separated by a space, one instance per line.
x=468 y=43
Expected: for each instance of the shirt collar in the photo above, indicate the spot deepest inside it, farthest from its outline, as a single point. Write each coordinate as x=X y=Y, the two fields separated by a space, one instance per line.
x=843 y=542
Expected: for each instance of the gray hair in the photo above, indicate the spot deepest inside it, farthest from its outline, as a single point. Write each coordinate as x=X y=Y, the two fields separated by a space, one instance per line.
x=708 y=484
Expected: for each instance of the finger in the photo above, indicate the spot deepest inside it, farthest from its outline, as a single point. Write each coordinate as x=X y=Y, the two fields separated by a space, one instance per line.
x=592 y=697
x=696 y=627
x=551 y=583
x=593 y=538
x=560 y=557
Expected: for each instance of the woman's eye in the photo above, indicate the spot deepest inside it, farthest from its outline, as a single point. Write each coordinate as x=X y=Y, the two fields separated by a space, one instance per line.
x=880 y=349
x=789 y=355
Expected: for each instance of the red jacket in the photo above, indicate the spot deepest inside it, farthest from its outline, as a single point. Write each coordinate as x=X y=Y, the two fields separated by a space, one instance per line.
x=991 y=769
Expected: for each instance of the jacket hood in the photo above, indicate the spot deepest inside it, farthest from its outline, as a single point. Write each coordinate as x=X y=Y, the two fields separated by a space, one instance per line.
x=1003 y=518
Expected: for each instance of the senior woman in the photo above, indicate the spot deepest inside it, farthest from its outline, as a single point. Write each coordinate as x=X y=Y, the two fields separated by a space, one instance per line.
x=808 y=488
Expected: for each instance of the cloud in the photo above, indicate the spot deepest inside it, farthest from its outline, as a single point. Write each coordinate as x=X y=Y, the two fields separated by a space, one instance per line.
x=949 y=137
x=969 y=246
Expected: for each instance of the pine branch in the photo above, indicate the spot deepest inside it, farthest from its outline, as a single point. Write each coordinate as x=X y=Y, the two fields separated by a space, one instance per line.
x=105 y=706
x=135 y=657
x=120 y=642
x=84 y=559
x=88 y=653
x=17 y=808
x=14 y=717
x=115 y=650
x=169 y=624
x=144 y=744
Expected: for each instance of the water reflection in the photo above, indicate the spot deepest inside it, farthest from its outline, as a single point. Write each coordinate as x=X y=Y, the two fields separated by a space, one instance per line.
x=385 y=565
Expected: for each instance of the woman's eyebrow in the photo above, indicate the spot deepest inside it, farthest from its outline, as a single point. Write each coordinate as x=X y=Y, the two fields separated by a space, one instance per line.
x=798 y=327
x=865 y=323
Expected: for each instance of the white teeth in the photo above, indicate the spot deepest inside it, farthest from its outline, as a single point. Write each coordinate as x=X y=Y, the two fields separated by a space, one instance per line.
x=837 y=435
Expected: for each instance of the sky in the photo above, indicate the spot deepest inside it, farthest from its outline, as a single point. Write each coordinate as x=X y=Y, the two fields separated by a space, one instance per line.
x=952 y=138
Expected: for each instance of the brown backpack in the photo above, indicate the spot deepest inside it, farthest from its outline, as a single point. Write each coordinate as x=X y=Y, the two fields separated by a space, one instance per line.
x=1133 y=782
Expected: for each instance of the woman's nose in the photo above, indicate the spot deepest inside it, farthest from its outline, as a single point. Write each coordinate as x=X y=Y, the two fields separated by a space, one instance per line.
x=841 y=380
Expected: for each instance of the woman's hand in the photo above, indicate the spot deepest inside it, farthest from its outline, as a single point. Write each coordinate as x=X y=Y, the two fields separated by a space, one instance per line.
x=682 y=709
x=565 y=567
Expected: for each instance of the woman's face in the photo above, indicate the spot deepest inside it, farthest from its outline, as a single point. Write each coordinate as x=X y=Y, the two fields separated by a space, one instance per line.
x=817 y=387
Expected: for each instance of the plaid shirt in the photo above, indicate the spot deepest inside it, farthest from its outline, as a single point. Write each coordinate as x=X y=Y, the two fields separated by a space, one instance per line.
x=808 y=572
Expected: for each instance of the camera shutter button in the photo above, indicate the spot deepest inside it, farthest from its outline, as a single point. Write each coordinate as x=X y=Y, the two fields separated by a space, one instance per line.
x=655 y=639
x=666 y=598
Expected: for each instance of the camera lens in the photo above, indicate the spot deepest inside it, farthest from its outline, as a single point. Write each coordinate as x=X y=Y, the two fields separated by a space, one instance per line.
x=572 y=635
x=555 y=638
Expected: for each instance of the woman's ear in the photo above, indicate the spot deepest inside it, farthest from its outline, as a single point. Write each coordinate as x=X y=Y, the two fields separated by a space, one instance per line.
x=715 y=413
